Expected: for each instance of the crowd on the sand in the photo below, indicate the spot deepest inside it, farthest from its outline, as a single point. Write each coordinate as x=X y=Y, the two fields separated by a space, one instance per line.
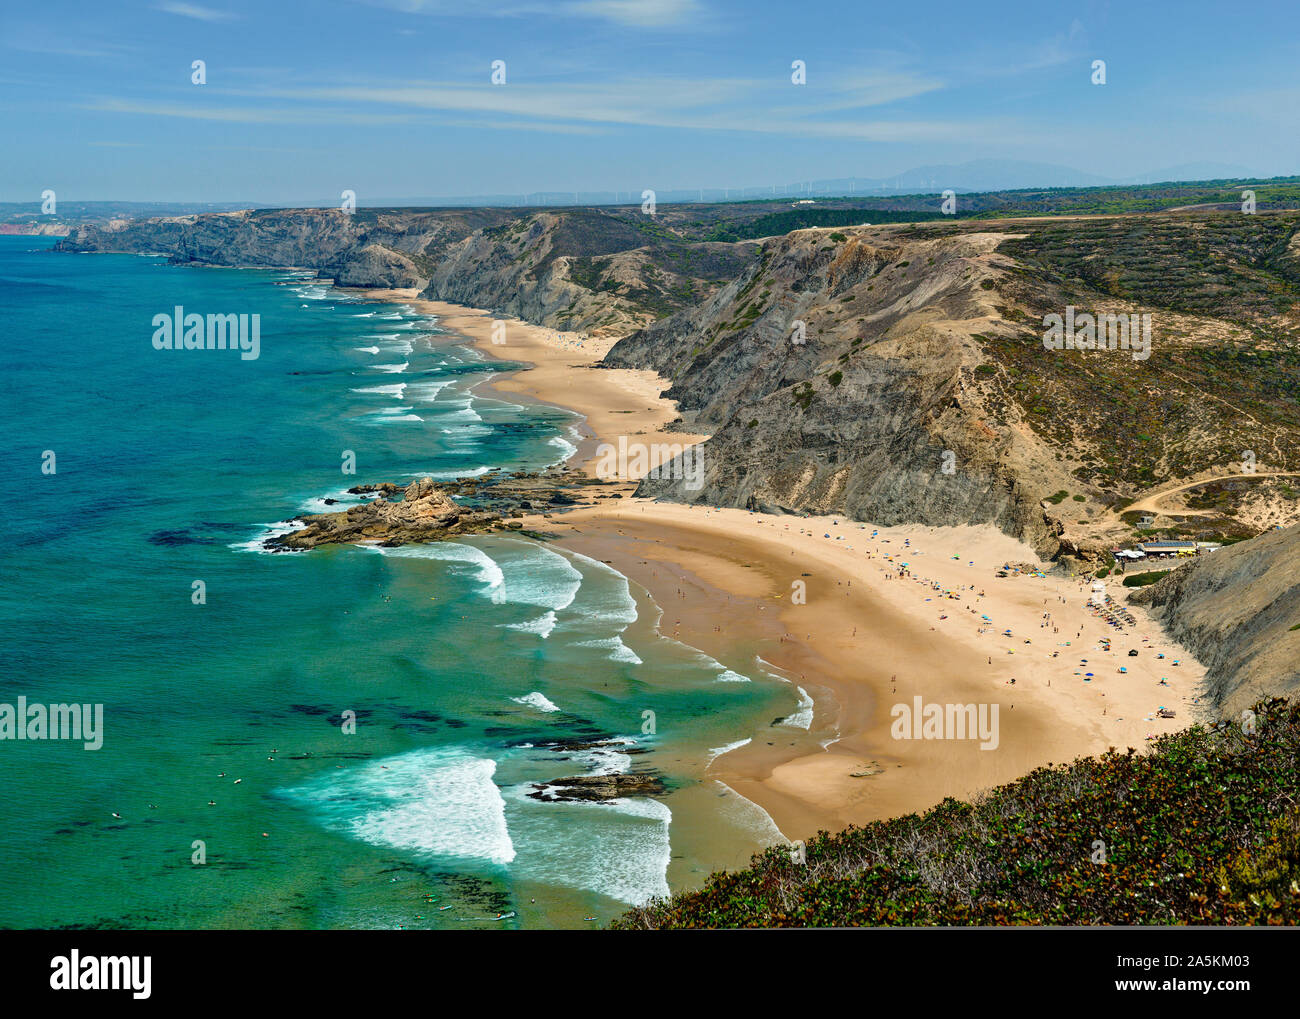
x=897 y=565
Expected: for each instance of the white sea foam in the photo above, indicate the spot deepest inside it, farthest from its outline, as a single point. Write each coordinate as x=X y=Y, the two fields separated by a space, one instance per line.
x=427 y=390
x=367 y=350
x=394 y=391
x=342 y=499
x=537 y=700
x=434 y=803
x=534 y=575
x=566 y=448
x=476 y=472
x=271 y=531
x=724 y=675
x=485 y=570
x=464 y=410
x=802 y=718
x=615 y=648
x=717 y=752
x=542 y=625
x=607 y=757
x=621 y=609
x=392 y=368
x=749 y=816
x=618 y=848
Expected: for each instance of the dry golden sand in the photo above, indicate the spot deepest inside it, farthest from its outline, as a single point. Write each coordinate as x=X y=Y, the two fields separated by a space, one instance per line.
x=866 y=639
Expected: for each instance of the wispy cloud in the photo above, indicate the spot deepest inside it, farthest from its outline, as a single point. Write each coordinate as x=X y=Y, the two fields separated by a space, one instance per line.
x=635 y=13
x=709 y=105
x=194 y=11
x=260 y=114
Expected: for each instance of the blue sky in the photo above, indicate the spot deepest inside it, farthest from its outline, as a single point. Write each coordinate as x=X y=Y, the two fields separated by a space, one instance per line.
x=393 y=98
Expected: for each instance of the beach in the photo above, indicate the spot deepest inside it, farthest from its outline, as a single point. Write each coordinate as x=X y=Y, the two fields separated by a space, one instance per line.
x=613 y=403
x=862 y=620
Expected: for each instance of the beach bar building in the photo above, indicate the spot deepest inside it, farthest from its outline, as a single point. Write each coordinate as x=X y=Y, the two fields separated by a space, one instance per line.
x=1167 y=548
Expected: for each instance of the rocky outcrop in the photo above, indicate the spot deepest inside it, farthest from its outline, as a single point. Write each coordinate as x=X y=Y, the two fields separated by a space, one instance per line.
x=377 y=266
x=598 y=788
x=1237 y=609
x=424 y=513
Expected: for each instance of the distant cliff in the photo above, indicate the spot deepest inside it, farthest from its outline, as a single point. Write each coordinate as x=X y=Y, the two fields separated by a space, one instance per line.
x=1238 y=610
x=575 y=269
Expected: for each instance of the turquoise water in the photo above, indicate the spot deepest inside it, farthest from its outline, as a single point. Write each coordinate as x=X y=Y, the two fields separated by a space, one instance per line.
x=464 y=663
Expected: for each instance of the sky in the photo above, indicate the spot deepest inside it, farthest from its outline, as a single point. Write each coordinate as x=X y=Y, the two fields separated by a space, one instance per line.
x=395 y=98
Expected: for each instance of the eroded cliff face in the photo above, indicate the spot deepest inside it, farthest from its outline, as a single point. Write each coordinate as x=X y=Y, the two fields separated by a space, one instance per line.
x=838 y=376
x=374 y=249
x=578 y=269
x=1238 y=610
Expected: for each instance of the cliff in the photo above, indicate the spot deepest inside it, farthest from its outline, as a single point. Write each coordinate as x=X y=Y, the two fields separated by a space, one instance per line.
x=602 y=271
x=918 y=388
x=1238 y=610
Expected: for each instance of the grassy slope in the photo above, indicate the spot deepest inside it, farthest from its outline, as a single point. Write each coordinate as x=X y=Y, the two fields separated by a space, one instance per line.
x=1204 y=830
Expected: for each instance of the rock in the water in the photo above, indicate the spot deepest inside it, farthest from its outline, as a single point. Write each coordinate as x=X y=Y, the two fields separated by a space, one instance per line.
x=424 y=513
x=598 y=788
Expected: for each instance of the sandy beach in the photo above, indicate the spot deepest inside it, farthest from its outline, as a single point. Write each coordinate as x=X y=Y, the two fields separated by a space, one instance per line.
x=863 y=619
x=612 y=402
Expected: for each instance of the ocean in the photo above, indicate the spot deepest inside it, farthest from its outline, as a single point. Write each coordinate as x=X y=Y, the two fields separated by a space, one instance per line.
x=140 y=483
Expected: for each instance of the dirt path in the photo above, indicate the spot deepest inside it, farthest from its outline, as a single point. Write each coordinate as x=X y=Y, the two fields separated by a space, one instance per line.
x=1151 y=501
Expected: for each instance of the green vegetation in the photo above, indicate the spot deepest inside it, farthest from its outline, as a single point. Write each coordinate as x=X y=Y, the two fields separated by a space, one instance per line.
x=835 y=378
x=1058 y=498
x=1202 y=830
x=1238 y=380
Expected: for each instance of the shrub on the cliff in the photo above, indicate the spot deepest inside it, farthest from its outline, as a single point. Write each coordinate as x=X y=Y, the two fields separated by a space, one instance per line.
x=1267 y=875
